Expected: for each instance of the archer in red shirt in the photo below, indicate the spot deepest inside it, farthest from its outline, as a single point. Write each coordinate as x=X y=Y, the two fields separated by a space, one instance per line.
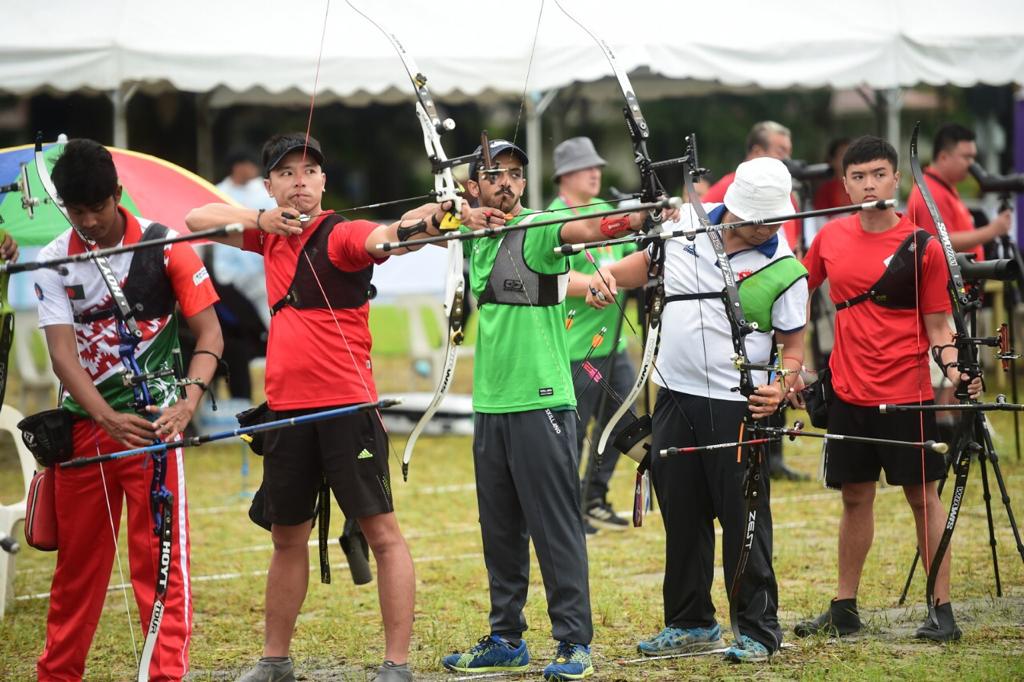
x=881 y=355
x=953 y=152
x=318 y=270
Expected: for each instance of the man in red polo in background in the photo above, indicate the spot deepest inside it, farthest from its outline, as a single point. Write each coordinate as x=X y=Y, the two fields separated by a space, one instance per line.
x=953 y=151
x=766 y=138
x=952 y=154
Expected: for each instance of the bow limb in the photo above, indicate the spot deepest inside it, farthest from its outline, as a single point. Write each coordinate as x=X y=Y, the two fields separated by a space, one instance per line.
x=6 y=328
x=445 y=190
x=967 y=363
x=651 y=190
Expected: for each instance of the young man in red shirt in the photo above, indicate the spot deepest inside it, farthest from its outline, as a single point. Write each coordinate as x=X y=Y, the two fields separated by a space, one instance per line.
x=953 y=152
x=881 y=355
x=318 y=270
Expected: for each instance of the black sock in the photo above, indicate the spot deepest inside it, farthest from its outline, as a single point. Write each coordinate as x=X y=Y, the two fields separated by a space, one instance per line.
x=275 y=659
x=395 y=666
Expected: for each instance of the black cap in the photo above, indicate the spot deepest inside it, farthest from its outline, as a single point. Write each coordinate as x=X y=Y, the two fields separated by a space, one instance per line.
x=496 y=147
x=279 y=146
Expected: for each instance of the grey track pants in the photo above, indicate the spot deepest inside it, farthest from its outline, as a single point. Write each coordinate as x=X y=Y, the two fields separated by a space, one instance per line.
x=528 y=486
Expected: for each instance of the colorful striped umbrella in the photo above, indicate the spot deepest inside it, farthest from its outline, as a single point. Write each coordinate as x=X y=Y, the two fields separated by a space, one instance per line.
x=153 y=188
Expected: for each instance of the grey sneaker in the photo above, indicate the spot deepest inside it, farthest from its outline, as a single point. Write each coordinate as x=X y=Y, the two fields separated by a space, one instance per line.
x=390 y=672
x=601 y=515
x=269 y=671
x=682 y=641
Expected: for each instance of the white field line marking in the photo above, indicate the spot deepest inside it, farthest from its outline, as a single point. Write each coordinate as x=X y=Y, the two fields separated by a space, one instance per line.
x=413 y=535
x=246 y=574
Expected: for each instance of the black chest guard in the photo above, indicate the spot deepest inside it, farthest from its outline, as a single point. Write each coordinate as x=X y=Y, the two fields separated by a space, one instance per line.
x=342 y=289
x=147 y=287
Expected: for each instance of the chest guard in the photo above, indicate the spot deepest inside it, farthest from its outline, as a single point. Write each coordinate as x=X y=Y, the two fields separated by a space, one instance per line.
x=512 y=282
x=759 y=292
x=897 y=287
x=147 y=287
x=342 y=289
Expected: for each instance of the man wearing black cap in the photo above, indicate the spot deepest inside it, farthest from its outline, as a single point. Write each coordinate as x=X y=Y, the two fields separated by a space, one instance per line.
x=524 y=442
x=578 y=177
x=318 y=356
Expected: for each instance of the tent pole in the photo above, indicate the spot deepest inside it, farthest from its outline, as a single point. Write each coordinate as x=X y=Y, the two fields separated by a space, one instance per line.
x=120 y=98
x=536 y=104
x=205 y=165
x=893 y=108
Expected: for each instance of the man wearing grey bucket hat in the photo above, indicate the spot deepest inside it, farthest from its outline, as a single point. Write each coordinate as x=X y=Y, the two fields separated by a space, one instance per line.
x=697 y=405
x=578 y=177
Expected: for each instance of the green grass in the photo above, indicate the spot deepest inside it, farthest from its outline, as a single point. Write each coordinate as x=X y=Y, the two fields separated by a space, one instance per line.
x=339 y=633
x=389 y=326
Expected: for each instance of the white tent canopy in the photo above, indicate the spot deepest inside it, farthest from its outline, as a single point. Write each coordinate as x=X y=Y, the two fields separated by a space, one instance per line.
x=266 y=52
x=468 y=48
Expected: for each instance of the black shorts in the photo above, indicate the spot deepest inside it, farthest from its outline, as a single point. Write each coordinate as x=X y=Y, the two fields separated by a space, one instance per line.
x=847 y=462
x=350 y=451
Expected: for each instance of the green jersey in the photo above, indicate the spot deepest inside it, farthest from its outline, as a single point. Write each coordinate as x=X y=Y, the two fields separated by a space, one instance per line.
x=522 y=358
x=588 y=321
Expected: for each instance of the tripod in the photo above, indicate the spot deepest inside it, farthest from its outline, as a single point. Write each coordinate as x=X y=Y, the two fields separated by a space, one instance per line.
x=973 y=440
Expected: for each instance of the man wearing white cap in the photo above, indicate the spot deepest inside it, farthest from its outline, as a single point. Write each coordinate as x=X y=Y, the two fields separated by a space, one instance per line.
x=697 y=405
x=578 y=177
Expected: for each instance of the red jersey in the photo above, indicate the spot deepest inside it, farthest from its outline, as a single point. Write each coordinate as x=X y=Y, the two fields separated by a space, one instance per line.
x=881 y=354
x=316 y=357
x=947 y=200
x=716 y=195
x=831 y=194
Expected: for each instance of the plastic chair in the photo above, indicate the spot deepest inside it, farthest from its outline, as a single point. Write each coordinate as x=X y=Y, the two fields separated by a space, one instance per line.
x=13 y=515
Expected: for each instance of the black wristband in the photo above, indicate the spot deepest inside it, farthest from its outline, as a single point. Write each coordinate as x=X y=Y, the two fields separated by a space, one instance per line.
x=259 y=214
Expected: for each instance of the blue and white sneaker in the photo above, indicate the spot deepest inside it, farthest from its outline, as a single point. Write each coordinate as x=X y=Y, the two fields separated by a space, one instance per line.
x=490 y=654
x=572 y=662
x=682 y=641
x=747 y=650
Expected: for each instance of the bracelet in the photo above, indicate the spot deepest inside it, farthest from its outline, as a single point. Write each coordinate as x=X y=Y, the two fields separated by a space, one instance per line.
x=259 y=214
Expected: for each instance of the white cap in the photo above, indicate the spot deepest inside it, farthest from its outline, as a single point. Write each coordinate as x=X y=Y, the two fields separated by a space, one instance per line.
x=761 y=189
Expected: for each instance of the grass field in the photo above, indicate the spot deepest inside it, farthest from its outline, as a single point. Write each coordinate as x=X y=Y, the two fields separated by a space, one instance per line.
x=339 y=635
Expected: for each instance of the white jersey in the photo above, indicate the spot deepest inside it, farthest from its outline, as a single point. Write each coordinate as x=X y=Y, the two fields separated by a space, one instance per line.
x=696 y=350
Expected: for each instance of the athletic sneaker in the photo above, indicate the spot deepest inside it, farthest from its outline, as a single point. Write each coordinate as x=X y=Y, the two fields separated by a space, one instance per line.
x=747 y=650
x=943 y=629
x=490 y=654
x=277 y=670
x=601 y=514
x=572 y=662
x=840 y=619
x=390 y=672
x=682 y=641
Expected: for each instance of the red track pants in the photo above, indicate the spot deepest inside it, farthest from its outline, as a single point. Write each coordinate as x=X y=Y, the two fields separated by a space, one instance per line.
x=86 y=543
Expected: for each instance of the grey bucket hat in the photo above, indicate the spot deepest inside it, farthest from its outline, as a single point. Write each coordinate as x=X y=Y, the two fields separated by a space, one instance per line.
x=575 y=154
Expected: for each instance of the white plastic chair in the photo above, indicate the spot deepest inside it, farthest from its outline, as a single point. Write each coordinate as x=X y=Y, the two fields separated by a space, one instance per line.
x=11 y=516
x=38 y=385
